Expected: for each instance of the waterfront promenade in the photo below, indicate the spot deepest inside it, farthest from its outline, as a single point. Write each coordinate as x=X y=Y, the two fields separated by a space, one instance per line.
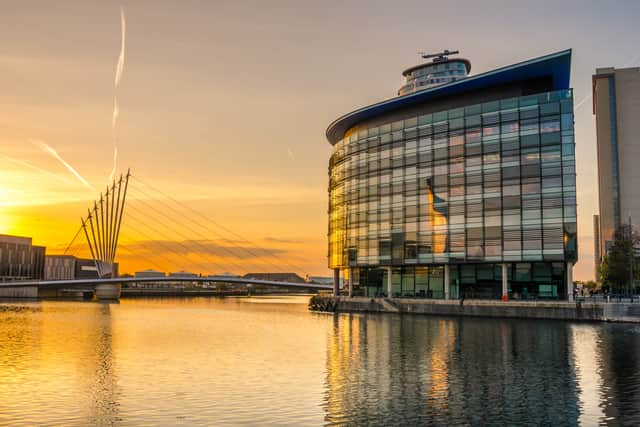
x=559 y=310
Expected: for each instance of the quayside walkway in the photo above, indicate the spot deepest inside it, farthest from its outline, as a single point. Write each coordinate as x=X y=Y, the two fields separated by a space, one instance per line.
x=560 y=310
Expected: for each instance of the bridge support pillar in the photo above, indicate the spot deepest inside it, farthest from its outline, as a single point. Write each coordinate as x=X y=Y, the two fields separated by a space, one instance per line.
x=336 y=282
x=108 y=292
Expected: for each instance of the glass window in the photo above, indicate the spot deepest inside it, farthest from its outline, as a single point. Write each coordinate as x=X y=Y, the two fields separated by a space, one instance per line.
x=523 y=272
x=511 y=127
x=490 y=130
x=550 y=108
x=548 y=126
x=568 y=150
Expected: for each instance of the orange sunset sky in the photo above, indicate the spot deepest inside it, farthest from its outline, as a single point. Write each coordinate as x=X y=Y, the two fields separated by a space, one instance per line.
x=223 y=106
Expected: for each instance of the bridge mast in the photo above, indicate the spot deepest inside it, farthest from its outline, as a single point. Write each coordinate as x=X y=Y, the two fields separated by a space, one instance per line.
x=103 y=239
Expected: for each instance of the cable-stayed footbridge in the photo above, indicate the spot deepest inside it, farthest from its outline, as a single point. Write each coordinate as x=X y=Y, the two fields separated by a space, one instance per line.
x=140 y=226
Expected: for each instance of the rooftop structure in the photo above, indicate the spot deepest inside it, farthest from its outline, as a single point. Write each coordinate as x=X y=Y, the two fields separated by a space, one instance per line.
x=439 y=71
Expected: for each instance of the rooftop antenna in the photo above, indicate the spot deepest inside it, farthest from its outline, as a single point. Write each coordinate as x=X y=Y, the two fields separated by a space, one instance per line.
x=440 y=56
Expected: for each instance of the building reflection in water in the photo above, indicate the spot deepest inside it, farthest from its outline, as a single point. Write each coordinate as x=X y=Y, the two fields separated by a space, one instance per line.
x=415 y=369
x=619 y=372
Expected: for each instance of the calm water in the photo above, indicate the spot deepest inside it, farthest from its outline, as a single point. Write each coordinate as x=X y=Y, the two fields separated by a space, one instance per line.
x=259 y=361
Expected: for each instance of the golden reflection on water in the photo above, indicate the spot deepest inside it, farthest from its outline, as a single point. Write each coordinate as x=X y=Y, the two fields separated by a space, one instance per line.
x=436 y=377
x=162 y=362
x=587 y=363
x=262 y=361
x=59 y=358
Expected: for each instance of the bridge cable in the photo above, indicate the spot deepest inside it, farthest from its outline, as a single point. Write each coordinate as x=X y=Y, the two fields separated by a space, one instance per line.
x=198 y=235
x=161 y=234
x=146 y=259
x=72 y=240
x=179 y=255
x=226 y=249
x=216 y=224
x=151 y=249
x=187 y=238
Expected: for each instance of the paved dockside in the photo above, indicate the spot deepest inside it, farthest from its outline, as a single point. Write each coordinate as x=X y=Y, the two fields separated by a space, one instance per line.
x=559 y=310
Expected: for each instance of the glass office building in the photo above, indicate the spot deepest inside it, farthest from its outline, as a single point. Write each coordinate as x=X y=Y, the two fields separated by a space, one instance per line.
x=467 y=189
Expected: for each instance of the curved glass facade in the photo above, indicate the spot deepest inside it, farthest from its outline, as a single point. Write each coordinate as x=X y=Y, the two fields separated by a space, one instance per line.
x=470 y=188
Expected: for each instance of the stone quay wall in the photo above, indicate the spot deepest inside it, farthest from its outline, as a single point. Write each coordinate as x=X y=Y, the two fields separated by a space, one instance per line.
x=558 y=310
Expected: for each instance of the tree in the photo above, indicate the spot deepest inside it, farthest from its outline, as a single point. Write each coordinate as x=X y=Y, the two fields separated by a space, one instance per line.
x=619 y=268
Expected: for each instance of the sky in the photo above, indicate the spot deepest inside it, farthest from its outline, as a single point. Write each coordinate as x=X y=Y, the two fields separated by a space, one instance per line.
x=223 y=106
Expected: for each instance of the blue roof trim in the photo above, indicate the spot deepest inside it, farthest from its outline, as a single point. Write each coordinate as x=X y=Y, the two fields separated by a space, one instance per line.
x=558 y=65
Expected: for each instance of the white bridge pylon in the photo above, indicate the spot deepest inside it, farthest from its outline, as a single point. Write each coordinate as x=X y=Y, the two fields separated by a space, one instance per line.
x=102 y=225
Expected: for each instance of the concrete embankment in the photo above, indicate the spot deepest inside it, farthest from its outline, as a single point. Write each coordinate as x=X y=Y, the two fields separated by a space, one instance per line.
x=589 y=311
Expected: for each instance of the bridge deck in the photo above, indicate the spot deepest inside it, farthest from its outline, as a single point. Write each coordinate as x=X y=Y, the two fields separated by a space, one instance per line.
x=122 y=280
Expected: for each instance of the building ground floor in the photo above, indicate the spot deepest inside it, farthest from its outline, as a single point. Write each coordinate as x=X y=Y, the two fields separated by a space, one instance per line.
x=514 y=281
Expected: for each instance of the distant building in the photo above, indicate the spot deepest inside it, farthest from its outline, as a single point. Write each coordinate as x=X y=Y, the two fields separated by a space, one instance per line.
x=182 y=274
x=86 y=269
x=59 y=267
x=616 y=105
x=320 y=280
x=226 y=273
x=597 y=255
x=20 y=259
x=149 y=273
x=69 y=267
x=276 y=277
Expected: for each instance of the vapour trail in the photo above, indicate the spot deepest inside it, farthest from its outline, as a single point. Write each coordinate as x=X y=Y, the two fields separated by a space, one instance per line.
x=588 y=97
x=116 y=83
x=35 y=168
x=116 y=113
x=585 y=99
x=48 y=149
x=120 y=66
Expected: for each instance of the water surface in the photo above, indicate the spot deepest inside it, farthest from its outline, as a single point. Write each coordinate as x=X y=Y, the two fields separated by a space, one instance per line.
x=259 y=361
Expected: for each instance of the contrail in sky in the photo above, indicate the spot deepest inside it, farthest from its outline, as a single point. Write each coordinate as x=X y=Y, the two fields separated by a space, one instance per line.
x=120 y=66
x=588 y=97
x=47 y=149
x=585 y=99
x=116 y=83
x=116 y=113
x=35 y=168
